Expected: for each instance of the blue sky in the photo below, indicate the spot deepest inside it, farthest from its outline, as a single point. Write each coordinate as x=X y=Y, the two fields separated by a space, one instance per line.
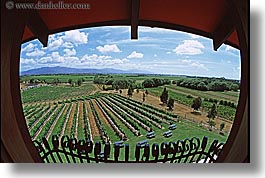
x=156 y=50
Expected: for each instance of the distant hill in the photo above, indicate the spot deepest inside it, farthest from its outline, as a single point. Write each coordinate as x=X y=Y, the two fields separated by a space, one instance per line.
x=67 y=70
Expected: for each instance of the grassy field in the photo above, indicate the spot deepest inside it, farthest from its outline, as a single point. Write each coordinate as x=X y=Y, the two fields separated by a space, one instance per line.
x=50 y=93
x=62 y=78
x=222 y=111
x=228 y=95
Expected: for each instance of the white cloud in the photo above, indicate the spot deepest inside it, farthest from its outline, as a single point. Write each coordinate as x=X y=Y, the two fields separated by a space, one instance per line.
x=35 y=53
x=108 y=48
x=30 y=47
x=76 y=37
x=197 y=64
x=189 y=47
x=155 y=55
x=186 y=61
x=69 y=52
x=94 y=57
x=71 y=59
x=68 y=40
x=55 y=44
x=44 y=60
x=96 y=60
x=194 y=64
x=54 y=57
x=68 y=45
x=168 y=52
x=27 y=61
x=134 y=54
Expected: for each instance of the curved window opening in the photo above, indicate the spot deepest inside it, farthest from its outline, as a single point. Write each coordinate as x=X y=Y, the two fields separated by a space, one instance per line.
x=97 y=84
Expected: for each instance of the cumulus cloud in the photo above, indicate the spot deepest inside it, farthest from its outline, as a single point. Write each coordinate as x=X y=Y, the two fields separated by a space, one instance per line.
x=27 y=61
x=68 y=45
x=134 y=54
x=30 y=47
x=35 y=53
x=101 y=60
x=69 y=52
x=75 y=37
x=168 y=52
x=68 y=40
x=189 y=47
x=108 y=48
x=54 y=57
x=55 y=44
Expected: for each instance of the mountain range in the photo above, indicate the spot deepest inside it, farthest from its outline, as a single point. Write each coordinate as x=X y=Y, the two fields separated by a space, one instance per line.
x=67 y=70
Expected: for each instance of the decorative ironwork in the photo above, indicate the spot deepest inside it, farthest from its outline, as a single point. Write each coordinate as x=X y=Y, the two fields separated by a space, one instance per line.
x=71 y=150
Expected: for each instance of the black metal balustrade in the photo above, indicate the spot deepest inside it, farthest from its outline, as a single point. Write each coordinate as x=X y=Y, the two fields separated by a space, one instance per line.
x=71 y=150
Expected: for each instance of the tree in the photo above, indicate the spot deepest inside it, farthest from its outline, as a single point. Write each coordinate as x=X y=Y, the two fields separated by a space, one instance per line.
x=146 y=92
x=79 y=82
x=202 y=86
x=196 y=103
x=120 y=91
x=70 y=81
x=213 y=112
x=148 y=83
x=130 y=91
x=164 y=96
x=31 y=80
x=222 y=126
x=170 y=104
x=137 y=90
x=143 y=97
x=211 y=115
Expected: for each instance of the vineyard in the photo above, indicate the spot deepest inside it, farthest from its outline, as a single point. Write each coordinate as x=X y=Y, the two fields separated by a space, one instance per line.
x=108 y=118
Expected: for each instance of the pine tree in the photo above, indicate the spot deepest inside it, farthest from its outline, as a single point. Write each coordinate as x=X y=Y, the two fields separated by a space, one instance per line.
x=164 y=96
x=170 y=104
x=130 y=91
x=196 y=103
x=213 y=112
x=211 y=115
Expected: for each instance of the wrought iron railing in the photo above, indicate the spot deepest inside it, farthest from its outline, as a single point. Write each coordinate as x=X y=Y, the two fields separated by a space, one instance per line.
x=71 y=150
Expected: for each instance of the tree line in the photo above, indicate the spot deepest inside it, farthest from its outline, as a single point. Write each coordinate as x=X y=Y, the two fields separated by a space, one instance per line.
x=208 y=84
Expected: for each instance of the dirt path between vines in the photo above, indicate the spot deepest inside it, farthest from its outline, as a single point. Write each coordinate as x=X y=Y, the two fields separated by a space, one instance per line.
x=70 y=121
x=66 y=121
x=54 y=123
x=92 y=122
x=101 y=115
